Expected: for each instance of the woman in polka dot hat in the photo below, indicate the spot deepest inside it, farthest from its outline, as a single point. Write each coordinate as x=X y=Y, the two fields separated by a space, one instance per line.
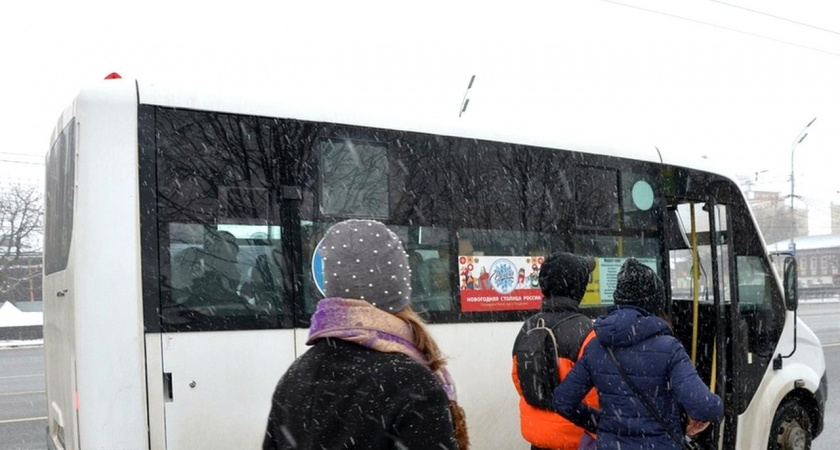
x=374 y=377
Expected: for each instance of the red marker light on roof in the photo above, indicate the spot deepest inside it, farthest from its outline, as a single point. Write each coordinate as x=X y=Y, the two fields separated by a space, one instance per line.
x=113 y=76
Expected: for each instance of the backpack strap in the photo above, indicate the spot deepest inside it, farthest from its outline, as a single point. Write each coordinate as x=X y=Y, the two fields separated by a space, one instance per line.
x=540 y=325
x=563 y=367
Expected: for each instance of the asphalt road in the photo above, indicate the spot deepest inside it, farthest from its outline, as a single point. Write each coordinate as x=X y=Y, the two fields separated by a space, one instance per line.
x=824 y=320
x=23 y=402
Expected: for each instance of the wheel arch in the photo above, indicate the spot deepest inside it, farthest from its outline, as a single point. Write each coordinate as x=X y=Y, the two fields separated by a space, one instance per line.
x=808 y=401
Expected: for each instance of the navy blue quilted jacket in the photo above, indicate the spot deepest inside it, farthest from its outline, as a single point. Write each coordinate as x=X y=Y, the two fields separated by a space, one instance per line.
x=656 y=362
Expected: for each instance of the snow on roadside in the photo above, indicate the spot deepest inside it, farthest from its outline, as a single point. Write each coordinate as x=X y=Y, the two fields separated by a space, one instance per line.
x=10 y=316
x=20 y=344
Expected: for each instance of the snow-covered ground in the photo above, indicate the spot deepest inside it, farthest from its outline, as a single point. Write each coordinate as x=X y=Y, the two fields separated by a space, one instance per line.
x=10 y=316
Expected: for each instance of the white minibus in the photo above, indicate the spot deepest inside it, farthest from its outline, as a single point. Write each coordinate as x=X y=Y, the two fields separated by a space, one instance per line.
x=181 y=226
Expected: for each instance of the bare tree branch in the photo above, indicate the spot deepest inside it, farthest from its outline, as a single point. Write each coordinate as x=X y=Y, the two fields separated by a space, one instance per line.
x=21 y=238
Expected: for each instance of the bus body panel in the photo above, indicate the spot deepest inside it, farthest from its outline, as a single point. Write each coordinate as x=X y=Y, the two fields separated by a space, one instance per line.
x=156 y=391
x=479 y=359
x=222 y=384
x=59 y=328
x=109 y=339
x=60 y=358
x=807 y=364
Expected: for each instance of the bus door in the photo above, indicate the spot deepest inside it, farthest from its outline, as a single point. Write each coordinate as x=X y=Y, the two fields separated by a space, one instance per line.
x=756 y=313
x=753 y=316
x=699 y=257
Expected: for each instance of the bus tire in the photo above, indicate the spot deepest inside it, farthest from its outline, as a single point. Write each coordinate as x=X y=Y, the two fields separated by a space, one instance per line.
x=791 y=428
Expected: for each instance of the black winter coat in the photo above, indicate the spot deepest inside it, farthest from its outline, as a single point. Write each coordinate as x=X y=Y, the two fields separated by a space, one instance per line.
x=340 y=395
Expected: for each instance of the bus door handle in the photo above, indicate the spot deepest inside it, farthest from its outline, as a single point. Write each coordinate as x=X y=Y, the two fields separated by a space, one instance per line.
x=167 y=387
x=61 y=293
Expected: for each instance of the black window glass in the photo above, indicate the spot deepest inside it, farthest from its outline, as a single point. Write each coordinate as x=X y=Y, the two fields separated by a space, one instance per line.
x=241 y=203
x=60 y=191
x=354 y=178
x=510 y=187
x=421 y=179
x=596 y=195
x=223 y=263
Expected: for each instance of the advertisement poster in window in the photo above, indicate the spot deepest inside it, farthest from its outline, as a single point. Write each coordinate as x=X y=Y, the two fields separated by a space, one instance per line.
x=600 y=289
x=499 y=283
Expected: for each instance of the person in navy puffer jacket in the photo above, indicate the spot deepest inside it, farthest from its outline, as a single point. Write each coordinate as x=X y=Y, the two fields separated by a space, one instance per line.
x=652 y=358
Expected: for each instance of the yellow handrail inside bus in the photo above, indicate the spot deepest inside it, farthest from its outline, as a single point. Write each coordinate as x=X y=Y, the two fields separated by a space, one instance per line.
x=695 y=275
x=713 y=381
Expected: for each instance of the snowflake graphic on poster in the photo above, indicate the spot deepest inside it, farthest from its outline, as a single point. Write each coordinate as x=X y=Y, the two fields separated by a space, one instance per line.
x=503 y=276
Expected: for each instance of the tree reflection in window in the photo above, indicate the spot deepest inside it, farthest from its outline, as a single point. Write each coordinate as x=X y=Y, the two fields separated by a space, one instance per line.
x=596 y=192
x=354 y=178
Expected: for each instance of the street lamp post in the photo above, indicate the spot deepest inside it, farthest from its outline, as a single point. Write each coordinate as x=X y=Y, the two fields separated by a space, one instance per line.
x=799 y=138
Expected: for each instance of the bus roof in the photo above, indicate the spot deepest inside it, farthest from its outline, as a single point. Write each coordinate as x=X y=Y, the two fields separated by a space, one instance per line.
x=380 y=112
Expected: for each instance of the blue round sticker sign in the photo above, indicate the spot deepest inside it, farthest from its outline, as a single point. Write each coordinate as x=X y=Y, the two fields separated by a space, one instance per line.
x=642 y=195
x=318 y=268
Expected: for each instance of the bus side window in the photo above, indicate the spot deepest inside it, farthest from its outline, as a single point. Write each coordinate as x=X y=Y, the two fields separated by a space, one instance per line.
x=755 y=302
x=266 y=286
x=421 y=279
x=681 y=255
x=753 y=284
x=429 y=259
x=208 y=275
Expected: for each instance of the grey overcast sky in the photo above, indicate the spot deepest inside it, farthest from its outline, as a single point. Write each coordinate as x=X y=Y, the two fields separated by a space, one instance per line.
x=734 y=81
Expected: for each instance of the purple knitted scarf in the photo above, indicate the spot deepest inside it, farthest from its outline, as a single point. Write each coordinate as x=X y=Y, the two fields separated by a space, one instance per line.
x=360 y=322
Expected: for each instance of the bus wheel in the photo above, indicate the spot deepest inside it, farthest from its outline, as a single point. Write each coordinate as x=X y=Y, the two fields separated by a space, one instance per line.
x=791 y=428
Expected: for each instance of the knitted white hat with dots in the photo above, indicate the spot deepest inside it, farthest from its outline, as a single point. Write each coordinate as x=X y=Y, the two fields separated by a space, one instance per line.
x=365 y=260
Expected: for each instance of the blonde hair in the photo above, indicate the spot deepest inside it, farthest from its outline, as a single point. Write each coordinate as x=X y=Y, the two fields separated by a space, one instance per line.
x=422 y=339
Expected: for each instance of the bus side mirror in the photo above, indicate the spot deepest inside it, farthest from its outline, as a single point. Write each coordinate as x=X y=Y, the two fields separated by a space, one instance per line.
x=791 y=284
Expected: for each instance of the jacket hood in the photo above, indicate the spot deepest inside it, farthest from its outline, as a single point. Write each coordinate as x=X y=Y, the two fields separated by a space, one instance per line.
x=565 y=274
x=559 y=304
x=627 y=325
